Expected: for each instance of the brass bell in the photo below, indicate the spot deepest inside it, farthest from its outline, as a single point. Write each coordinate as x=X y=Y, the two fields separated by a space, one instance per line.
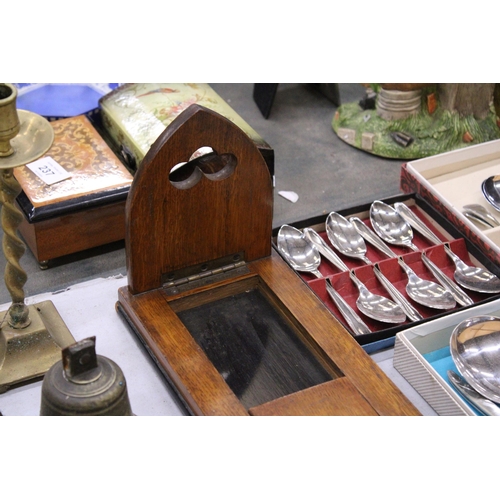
x=84 y=383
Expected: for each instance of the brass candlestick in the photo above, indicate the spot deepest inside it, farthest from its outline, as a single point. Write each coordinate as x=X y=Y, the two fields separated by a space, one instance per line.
x=31 y=337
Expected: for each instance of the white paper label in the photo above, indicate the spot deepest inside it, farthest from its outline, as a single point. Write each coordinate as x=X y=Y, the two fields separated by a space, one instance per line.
x=48 y=170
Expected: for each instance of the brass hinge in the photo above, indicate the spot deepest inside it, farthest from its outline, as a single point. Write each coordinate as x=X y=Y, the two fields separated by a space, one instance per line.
x=203 y=274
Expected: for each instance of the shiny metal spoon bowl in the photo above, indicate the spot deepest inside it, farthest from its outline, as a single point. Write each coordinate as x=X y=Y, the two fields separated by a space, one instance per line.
x=470 y=277
x=475 y=278
x=425 y=292
x=491 y=191
x=389 y=225
x=477 y=212
x=475 y=349
x=345 y=238
x=374 y=306
x=303 y=256
x=298 y=251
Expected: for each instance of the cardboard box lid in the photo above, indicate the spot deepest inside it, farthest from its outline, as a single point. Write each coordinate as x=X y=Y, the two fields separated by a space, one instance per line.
x=451 y=180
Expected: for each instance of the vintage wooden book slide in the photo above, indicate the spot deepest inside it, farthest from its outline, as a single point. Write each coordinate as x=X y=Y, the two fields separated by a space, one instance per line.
x=227 y=321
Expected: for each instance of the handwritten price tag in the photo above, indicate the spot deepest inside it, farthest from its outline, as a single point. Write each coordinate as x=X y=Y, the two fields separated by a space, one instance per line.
x=48 y=170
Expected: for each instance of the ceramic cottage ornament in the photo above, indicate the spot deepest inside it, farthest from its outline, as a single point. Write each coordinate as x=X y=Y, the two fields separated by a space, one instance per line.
x=415 y=120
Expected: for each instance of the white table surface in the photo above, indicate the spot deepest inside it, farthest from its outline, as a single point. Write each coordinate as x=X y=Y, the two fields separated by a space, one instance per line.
x=88 y=309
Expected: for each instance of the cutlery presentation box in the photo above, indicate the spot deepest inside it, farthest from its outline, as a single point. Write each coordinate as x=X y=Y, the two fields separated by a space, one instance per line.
x=383 y=334
x=228 y=323
x=83 y=211
x=422 y=356
x=135 y=114
x=451 y=180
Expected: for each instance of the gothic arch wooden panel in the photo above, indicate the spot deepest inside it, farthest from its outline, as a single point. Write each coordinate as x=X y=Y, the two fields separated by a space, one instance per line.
x=168 y=228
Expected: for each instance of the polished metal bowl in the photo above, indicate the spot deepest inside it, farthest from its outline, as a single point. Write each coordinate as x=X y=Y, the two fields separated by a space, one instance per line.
x=475 y=349
x=491 y=191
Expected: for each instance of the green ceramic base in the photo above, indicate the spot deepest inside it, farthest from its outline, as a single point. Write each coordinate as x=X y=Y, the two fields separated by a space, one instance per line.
x=432 y=134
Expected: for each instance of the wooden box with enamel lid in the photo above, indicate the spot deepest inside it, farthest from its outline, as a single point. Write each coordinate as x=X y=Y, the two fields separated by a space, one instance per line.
x=135 y=114
x=83 y=211
x=229 y=324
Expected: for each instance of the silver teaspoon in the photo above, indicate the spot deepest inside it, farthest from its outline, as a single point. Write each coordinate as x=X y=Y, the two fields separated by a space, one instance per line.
x=389 y=225
x=372 y=305
x=344 y=237
x=426 y=292
x=303 y=256
x=422 y=291
x=376 y=306
x=400 y=226
x=477 y=212
x=471 y=277
x=397 y=296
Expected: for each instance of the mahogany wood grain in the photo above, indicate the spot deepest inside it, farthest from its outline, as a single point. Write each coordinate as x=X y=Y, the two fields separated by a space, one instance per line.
x=337 y=397
x=195 y=378
x=332 y=338
x=74 y=232
x=184 y=362
x=170 y=228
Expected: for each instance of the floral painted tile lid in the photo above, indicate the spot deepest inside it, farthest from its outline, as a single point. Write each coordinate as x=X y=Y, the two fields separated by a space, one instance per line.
x=135 y=114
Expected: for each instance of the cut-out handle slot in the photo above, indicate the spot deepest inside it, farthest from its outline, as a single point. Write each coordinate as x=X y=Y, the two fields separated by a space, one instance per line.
x=204 y=161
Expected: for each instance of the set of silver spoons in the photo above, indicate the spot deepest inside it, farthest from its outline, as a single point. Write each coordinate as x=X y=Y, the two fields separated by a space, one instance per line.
x=391 y=225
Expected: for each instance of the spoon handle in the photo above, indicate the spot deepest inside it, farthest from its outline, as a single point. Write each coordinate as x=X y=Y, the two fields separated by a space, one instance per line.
x=371 y=237
x=357 y=325
x=324 y=250
x=356 y=280
x=479 y=402
x=470 y=213
x=397 y=296
x=416 y=223
x=458 y=294
x=316 y=273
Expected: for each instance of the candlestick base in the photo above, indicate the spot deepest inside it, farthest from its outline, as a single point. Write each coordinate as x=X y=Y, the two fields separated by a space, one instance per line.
x=28 y=353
